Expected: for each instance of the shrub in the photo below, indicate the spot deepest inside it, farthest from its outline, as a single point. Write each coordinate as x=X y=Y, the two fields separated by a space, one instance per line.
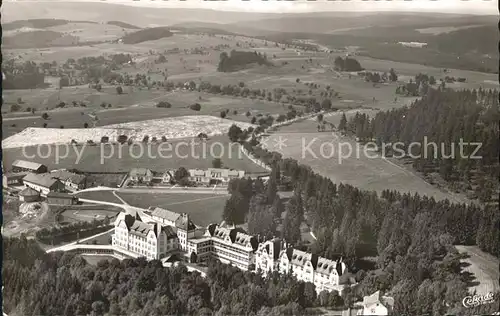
x=145 y=139
x=195 y=107
x=223 y=114
x=163 y=104
x=119 y=90
x=104 y=139
x=15 y=107
x=122 y=139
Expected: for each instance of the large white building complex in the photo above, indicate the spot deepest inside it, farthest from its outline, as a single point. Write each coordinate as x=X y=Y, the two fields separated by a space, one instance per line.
x=170 y=233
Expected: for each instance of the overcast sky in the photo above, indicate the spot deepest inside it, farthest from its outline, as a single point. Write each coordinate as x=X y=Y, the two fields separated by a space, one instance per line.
x=297 y=6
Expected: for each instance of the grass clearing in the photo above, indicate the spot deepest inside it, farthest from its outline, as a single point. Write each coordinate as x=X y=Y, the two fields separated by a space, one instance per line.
x=204 y=209
x=191 y=153
x=86 y=215
x=330 y=156
x=483 y=267
x=105 y=196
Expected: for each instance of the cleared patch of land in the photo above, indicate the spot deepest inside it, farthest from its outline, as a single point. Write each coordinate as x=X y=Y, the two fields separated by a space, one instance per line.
x=95 y=259
x=483 y=267
x=190 y=153
x=344 y=161
x=105 y=196
x=86 y=215
x=172 y=128
x=203 y=209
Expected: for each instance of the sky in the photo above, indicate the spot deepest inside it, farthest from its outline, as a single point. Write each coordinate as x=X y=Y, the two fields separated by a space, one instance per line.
x=298 y=6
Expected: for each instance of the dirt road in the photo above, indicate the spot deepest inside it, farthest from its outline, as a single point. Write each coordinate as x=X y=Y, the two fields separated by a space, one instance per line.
x=484 y=267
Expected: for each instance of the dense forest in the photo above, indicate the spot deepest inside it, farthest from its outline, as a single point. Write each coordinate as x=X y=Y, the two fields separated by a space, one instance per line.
x=444 y=117
x=33 y=23
x=150 y=34
x=21 y=76
x=411 y=236
x=60 y=283
x=123 y=25
x=237 y=60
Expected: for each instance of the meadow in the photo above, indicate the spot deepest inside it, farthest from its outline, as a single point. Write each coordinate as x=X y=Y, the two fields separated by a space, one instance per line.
x=330 y=156
x=203 y=209
x=93 y=158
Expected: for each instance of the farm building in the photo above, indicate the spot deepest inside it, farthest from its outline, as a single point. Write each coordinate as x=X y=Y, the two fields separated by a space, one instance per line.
x=213 y=176
x=61 y=198
x=141 y=175
x=28 y=166
x=13 y=179
x=29 y=195
x=43 y=183
x=71 y=180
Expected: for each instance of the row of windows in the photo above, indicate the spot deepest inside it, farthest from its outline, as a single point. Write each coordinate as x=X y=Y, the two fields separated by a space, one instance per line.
x=234 y=249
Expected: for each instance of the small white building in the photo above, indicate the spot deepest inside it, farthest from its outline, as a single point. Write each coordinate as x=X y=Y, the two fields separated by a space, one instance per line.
x=213 y=176
x=377 y=304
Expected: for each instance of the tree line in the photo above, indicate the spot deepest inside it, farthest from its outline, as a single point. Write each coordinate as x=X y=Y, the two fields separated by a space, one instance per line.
x=63 y=283
x=412 y=236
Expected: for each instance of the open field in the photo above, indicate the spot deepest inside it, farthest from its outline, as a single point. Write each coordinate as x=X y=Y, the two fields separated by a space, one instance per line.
x=171 y=128
x=204 y=209
x=483 y=267
x=106 y=196
x=78 y=215
x=191 y=153
x=366 y=171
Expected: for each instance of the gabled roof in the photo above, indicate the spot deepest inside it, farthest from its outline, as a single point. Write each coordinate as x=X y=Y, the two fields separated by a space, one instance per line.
x=165 y=214
x=65 y=175
x=183 y=222
x=29 y=192
x=141 y=172
x=27 y=164
x=15 y=175
x=60 y=195
x=44 y=180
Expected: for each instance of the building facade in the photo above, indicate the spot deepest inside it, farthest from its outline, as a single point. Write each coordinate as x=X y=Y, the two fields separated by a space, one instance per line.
x=276 y=255
x=72 y=181
x=28 y=166
x=149 y=240
x=13 y=179
x=377 y=304
x=214 y=176
x=43 y=183
x=60 y=198
x=141 y=175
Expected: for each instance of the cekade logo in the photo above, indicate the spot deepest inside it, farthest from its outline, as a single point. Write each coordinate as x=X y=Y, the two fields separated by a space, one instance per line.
x=476 y=300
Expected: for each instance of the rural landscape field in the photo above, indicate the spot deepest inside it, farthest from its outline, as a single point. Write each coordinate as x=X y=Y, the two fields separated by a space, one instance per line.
x=268 y=125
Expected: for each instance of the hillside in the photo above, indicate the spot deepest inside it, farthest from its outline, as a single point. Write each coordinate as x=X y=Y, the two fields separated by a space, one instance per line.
x=123 y=24
x=38 y=39
x=33 y=23
x=150 y=34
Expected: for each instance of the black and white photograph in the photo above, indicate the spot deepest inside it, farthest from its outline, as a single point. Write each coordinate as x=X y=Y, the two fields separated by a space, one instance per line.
x=256 y=158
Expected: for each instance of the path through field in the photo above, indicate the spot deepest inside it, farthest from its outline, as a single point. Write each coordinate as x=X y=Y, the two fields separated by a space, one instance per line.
x=484 y=267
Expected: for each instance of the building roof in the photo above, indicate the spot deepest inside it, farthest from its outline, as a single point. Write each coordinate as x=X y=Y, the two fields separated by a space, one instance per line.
x=319 y=264
x=43 y=180
x=165 y=214
x=137 y=227
x=140 y=172
x=29 y=192
x=234 y=235
x=216 y=172
x=65 y=175
x=15 y=175
x=377 y=298
x=60 y=195
x=27 y=164
x=184 y=223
